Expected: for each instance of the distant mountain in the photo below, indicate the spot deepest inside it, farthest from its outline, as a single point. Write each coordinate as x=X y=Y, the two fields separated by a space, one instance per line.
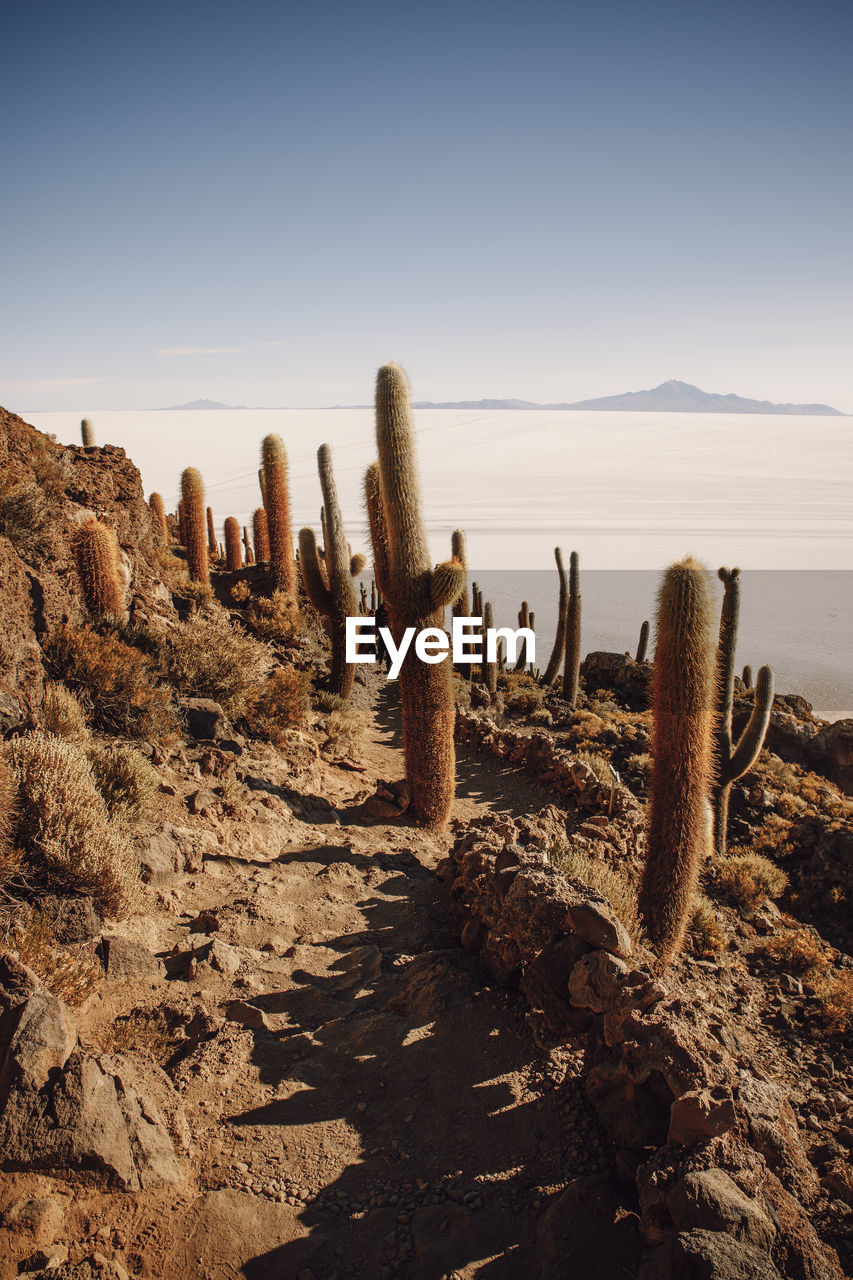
x=202 y=404
x=669 y=397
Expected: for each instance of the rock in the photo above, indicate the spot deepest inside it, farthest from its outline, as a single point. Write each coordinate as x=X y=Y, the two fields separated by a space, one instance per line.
x=224 y=958
x=597 y=925
x=700 y=1114
x=11 y=714
x=160 y=859
x=633 y=1114
x=594 y=981
x=473 y=935
x=204 y=922
x=42 y=1041
x=710 y=1199
x=42 y=1216
x=17 y=984
x=205 y=719
x=45 y=1259
x=838 y=1180
x=832 y=747
x=247 y=1015
x=707 y=1255
x=799 y=1252
x=773 y=1131
x=127 y=961
x=202 y=802
x=588 y=1234
x=619 y=672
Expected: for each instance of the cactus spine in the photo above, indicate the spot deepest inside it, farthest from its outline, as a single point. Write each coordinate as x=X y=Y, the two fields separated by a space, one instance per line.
x=277 y=503
x=733 y=761
x=337 y=600
x=261 y=536
x=233 y=552
x=192 y=491
x=682 y=713
x=158 y=511
x=87 y=433
x=643 y=643
x=572 y=669
x=98 y=560
x=417 y=598
x=560 y=638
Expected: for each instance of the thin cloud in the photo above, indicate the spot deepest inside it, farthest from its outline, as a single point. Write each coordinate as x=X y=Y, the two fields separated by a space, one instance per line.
x=197 y=351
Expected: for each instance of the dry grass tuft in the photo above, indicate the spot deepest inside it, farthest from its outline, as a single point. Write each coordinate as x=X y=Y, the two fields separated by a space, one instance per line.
x=67 y=976
x=209 y=658
x=62 y=714
x=797 y=951
x=241 y=592
x=748 y=878
x=707 y=935
x=279 y=704
x=613 y=885
x=124 y=778
x=25 y=519
x=64 y=826
x=275 y=618
x=344 y=729
x=141 y=1031
x=119 y=682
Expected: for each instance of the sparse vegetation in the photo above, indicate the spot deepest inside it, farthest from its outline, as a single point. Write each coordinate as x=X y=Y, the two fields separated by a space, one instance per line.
x=67 y=975
x=62 y=714
x=707 y=936
x=275 y=618
x=612 y=884
x=279 y=703
x=120 y=683
x=124 y=778
x=748 y=879
x=209 y=658
x=25 y=519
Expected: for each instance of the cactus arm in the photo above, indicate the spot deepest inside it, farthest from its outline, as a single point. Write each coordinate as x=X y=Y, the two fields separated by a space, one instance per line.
x=447 y=583
x=751 y=741
x=192 y=491
x=724 y=677
x=571 y=670
x=643 y=643
x=459 y=553
x=318 y=593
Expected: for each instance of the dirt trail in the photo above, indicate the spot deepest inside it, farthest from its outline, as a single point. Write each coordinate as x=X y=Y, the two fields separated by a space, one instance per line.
x=360 y=1102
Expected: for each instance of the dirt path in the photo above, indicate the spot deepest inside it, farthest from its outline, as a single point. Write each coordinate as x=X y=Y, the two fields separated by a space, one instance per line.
x=360 y=1102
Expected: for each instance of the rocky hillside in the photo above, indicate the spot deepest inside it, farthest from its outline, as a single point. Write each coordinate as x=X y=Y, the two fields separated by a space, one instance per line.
x=253 y=1023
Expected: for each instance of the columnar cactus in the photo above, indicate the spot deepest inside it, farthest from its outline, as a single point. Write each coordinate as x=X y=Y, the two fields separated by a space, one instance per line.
x=211 y=534
x=158 y=511
x=733 y=761
x=476 y=629
x=195 y=541
x=337 y=600
x=233 y=553
x=417 y=597
x=747 y=676
x=247 y=545
x=277 y=503
x=490 y=669
x=572 y=669
x=459 y=553
x=87 y=432
x=96 y=552
x=560 y=638
x=643 y=643
x=261 y=536
x=682 y=712
x=523 y=621
x=378 y=529
x=262 y=481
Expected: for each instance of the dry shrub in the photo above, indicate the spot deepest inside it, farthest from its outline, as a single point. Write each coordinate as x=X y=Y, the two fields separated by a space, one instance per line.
x=25 y=519
x=210 y=658
x=462 y=695
x=124 y=778
x=52 y=469
x=67 y=976
x=522 y=702
x=232 y=794
x=612 y=884
x=173 y=570
x=199 y=594
x=280 y=703
x=797 y=951
x=62 y=714
x=835 y=996
x=327 y=701
x=119 y=682
x=64 y=825
x=748 y=878
x=275 y=618
x=344 y=729
x=599 y=766
x=140 y=1031
x=707 y=935
x=241 y=592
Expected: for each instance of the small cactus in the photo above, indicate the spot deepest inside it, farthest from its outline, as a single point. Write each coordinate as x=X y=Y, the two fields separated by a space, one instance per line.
x=378 y=530
x=158 y=511
x=571 y=672
x=261 y=536
x=747 y=677
x=211 y=534
x=334 y=596
x=643 y=643
x=560 y=638
x=192 y=491
x=87 y=433
x=417 y=597
x=247 y=545
x=262 y=481
x=523 y=621
x=96 y=552
x=277 y=503
x=682 y=716
x=233 y=553
x=490 y=669
x=733 y=761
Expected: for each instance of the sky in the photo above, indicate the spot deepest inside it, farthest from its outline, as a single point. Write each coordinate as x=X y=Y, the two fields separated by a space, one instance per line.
x=261 y=203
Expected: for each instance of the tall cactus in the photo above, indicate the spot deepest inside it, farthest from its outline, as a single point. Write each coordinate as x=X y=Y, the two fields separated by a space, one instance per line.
x=158 y=511
x=87 y=434
x=490 y=669
x=378 y=530
x=417 y=597
x=96 y=552
x=247 y=545
x=560 y=638
x=233 y=553
x=211 y=534
x=682 y=715
x=572 y=669
x=261 y=536
x=277 y=505
x=523 y=621
x=337 y=600
x=195 y=540
x=642 y=643
x=733 y=761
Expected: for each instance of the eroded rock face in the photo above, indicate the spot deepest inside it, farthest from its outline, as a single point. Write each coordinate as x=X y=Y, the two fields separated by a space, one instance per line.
x=619 y=672
x=63 y=1108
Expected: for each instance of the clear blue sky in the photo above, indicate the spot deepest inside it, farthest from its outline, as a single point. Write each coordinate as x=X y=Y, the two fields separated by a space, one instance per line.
x=261 y=202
